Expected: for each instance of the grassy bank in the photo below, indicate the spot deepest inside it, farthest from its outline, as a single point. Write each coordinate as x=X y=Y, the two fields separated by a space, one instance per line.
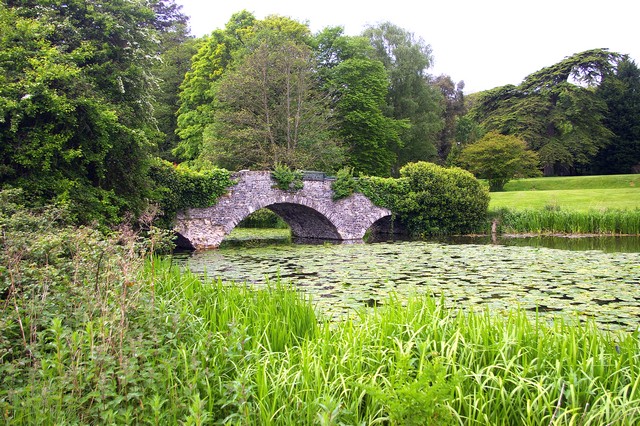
x=558 y=221
x=564 y=183
x=170 y=349
x=574 y=199
x=572 y=205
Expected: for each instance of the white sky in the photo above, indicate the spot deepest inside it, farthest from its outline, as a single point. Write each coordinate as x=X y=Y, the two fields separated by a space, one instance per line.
x=486 y=43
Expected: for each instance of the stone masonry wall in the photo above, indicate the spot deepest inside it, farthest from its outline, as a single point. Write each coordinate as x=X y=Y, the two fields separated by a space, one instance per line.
x=310 y=212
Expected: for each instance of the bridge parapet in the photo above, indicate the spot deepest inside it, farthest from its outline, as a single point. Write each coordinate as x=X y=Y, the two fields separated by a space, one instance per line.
x=310 y=212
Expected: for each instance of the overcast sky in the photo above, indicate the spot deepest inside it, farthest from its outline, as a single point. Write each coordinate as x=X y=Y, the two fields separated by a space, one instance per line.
x=486 y=43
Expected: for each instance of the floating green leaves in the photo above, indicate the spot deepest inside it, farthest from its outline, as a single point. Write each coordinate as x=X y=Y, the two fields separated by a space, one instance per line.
x=578 y=284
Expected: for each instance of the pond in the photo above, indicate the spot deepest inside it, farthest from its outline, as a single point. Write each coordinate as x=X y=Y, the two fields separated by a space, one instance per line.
x=578 y=284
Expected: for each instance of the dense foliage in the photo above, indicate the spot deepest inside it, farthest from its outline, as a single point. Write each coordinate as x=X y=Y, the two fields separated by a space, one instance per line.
x=76 y=121
x=178 y=187
x=267 y=91
x=440 y=200
x=556 y=110
x=371 y=138
x=428 y=199
x=411 y=96
x=176 y=47
x=90 y=92
x=251 y=99
x=499 y=158
x=287 y=179
x=621 y=93
x=65 y=290
x=132 y=343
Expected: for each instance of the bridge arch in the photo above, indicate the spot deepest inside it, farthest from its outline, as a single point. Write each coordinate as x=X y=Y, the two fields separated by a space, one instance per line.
x=310 y=212
x=303 y=219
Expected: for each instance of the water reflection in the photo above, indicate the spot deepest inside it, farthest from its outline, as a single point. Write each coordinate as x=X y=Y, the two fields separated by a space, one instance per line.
x=607 y=243
x=592 y=283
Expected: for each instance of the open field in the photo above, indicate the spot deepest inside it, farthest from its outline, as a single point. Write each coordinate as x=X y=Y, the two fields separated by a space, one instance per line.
x=571 y=199
x=574 y=182
x=574 y=205
x=576 y=193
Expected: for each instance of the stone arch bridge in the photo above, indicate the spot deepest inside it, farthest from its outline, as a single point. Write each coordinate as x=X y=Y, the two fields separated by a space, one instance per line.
x=310 y=212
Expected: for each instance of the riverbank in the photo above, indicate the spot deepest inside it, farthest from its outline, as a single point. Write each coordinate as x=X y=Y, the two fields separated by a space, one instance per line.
x=170 y=348
x=559 y=221
x=93 y=330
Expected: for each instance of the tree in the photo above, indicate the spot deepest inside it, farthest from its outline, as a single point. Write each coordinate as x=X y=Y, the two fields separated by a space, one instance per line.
x=621 y=93
x=499 y=158
x=556 y=110
x=198 y=90
x=371 y=137
x=175 y=48
x=453 y=108
x=467 y=131
x=411 y=95
x=251 y=99
x=269 y=112
x=357 y=85
x=170 y=72
x=75 y=103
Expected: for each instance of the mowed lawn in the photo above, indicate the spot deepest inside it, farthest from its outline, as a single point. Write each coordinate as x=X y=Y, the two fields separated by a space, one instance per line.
x=580 y=193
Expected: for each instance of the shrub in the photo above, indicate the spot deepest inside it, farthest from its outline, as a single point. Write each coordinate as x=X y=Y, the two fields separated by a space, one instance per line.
x=180 y=187
x=430 y=199
x=287 y=179
x=345 y=184
x=440 y=200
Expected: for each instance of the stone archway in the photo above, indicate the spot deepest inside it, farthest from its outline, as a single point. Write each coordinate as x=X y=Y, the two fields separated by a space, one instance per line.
x=305 y=222
x=311 y=212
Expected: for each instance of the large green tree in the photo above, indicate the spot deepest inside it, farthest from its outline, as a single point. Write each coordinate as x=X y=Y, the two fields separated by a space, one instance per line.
x=357 y=84
x=556 y=110
x=252 y=99
x=453 y=109
x=198 y=90
x=371 y=137
x=411 y=96
x=175 y=48
x=621 y=93
x=75 y=102
x=270 y=112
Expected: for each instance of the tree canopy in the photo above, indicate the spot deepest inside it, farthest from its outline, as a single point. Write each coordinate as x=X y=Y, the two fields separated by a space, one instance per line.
x=270 y=113
x=358 y=84
x=621 y=94
x=411 y=95
x=262 y=92
x=499 y=158
x=75 y=110
x=556 y=110
x=90 y=92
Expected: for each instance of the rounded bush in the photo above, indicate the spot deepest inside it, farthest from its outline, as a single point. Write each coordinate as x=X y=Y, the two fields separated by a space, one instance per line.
x=431 y=200
x=441 y=200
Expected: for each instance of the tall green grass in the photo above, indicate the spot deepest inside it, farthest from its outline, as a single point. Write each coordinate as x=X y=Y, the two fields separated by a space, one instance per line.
x=552 y=220
x=202 y=352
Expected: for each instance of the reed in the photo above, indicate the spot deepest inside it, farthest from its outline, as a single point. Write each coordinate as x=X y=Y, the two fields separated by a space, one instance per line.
x=553 y=220
x=207 y=352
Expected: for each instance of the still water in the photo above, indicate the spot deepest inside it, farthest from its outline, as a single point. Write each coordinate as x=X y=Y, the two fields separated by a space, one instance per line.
x=589 y=280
